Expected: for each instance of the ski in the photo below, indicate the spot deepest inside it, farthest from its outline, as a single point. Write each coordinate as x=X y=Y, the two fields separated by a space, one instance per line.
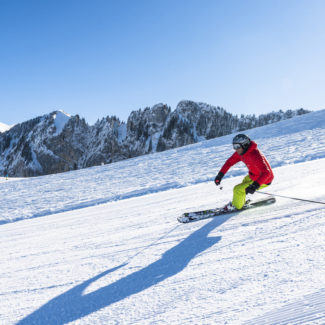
x=210 y=213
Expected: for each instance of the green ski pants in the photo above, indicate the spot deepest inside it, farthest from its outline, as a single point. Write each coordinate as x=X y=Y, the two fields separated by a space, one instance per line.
x=239 y=197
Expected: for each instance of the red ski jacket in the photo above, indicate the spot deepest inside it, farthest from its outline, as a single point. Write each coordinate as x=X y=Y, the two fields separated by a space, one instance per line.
x=259 y=168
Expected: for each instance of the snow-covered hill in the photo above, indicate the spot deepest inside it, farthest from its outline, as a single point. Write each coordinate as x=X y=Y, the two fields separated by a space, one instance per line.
x=102 y=245
x=284 y=143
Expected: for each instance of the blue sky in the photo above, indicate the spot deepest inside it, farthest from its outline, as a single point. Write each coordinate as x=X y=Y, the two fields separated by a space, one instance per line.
x=97 y=58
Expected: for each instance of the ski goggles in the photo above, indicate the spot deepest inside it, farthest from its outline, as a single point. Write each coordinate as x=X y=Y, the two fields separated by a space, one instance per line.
x=236 y=146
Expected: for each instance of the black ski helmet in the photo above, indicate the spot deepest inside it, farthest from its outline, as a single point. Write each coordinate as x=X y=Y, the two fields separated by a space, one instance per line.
x=243 y=140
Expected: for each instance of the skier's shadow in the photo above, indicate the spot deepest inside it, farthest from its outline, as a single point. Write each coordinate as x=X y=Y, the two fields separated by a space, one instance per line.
x=73 y=304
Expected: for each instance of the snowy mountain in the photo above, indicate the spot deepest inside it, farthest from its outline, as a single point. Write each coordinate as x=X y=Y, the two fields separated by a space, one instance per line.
x=102 y=245
x=36 y=146
x=58 y=142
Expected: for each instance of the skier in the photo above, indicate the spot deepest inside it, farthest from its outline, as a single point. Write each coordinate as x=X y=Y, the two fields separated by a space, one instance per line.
x=260 y=173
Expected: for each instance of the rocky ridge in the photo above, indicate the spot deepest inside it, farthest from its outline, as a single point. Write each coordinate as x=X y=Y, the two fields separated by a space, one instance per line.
x=57 y=142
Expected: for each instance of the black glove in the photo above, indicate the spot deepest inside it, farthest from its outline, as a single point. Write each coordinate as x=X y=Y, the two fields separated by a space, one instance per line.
x=218 y=178
x=252 y=188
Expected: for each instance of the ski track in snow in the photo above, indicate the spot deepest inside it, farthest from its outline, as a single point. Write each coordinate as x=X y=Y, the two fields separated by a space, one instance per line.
x=129 y=261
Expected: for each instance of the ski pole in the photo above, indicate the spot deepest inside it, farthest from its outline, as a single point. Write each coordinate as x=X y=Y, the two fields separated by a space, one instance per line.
x=291 y=198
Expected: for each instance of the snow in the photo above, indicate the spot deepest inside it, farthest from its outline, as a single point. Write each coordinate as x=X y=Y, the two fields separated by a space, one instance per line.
x=157 y=172
x=122 y=132
x=60 y=120
x=155 y=138
x=35 y=163
x=5 y=127
x=108 y=248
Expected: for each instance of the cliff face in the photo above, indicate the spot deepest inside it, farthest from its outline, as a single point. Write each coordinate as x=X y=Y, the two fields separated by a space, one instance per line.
x=39 y=146
x=58 y=142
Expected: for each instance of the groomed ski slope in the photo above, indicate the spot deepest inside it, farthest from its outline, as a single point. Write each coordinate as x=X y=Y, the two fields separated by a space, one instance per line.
x=128 y=261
